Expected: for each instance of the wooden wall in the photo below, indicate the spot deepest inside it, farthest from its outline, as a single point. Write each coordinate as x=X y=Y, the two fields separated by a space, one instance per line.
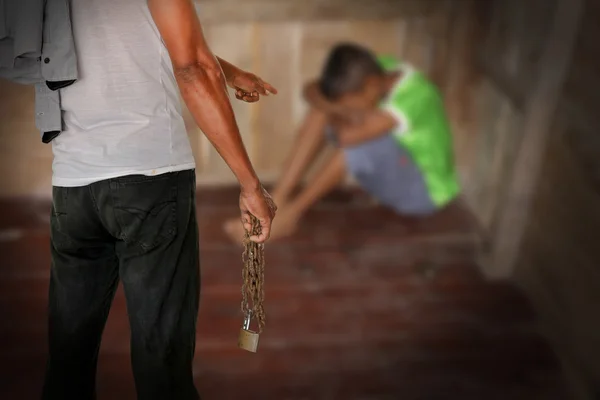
x=510 y=59
x=561 y=256
x=290 y=53
x=25 y=163
x=535 y=185
x=285 y=45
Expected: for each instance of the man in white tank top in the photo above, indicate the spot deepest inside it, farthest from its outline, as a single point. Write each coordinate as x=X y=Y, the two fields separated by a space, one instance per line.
x=124 y=190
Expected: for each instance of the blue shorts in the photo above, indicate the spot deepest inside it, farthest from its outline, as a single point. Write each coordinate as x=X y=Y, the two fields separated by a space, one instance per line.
x=385 y=170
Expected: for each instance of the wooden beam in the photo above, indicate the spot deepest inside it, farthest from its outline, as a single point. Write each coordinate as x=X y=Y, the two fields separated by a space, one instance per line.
x=495 y=66
x=540 y=110
x=227 y=11
x=514 y=90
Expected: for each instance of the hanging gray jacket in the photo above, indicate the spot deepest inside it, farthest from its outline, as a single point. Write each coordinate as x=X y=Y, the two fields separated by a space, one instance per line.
x=37 y=48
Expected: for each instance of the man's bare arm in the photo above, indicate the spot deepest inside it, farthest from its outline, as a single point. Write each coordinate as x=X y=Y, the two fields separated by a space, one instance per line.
x=374 y=124
x=201 y=81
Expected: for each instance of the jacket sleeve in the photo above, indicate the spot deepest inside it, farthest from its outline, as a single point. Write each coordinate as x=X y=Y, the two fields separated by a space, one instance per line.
x=58 y=67
x=48 y=115
x=59 y=60
x=21 y=26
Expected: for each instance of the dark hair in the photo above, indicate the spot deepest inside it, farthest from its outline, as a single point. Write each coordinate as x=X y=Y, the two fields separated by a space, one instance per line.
x=346 y=68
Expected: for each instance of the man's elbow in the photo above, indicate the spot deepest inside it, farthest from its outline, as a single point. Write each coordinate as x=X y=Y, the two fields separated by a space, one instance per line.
x=193 y=72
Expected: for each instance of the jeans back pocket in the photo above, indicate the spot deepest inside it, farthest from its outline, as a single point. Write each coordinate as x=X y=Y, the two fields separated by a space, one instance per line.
x=146 y=209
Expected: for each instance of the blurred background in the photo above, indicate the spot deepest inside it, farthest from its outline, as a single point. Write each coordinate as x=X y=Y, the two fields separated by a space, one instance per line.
x=495 y=298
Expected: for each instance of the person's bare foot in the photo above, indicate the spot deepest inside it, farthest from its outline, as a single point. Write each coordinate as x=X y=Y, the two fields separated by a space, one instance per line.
x=285 y=224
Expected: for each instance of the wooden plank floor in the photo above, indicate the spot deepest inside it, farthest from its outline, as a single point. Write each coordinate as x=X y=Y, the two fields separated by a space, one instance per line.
x=361 y=304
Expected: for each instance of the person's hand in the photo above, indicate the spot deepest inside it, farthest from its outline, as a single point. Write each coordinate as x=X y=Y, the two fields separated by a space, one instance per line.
x=249 y=87
x=259 y=203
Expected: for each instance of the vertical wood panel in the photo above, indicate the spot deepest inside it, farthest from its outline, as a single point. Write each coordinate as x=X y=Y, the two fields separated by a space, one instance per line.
x=559 y=257
x=25 y=162
x=461 y=86
x=501 y=153
x=275 y=124
x=487 y=103
x=541 y=107
x=442 y=23
x=418 y=44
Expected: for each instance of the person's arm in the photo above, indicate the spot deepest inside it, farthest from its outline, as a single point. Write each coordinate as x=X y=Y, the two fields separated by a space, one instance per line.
x=314 y=97
x=203 y=88
x=202 y=84
x=374 y=124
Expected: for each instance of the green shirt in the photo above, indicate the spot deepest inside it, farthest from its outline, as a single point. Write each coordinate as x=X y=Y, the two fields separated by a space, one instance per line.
x=423 y=129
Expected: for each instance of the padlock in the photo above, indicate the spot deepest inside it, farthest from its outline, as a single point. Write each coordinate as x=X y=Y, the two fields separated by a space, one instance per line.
x=248 y=340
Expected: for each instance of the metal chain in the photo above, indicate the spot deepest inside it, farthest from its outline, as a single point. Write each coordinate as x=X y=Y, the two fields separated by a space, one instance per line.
x=253 y=276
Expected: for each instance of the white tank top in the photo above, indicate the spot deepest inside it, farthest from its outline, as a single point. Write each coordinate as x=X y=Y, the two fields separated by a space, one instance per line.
x=123 y=116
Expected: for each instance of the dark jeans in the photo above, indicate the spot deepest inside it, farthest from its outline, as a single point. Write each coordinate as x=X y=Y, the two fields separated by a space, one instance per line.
x=141 y=230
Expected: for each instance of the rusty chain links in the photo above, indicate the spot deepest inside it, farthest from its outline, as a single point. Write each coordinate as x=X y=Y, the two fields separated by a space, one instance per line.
x=253 y=275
